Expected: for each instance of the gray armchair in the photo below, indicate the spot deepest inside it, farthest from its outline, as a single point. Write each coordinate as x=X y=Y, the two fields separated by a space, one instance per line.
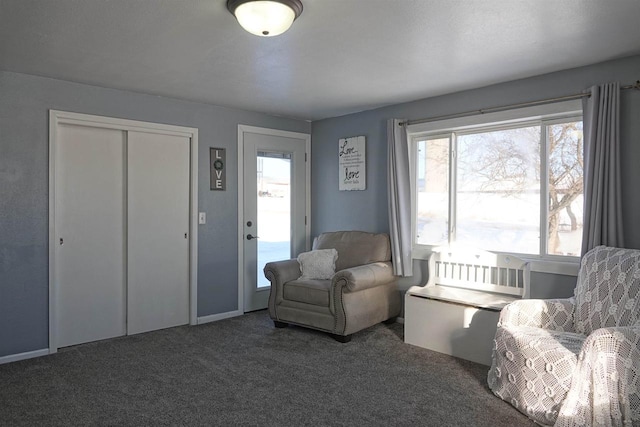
x=362 y=292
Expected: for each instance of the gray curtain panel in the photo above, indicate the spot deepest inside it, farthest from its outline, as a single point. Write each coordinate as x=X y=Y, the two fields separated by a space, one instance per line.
x=602 y=193
x=399 y=190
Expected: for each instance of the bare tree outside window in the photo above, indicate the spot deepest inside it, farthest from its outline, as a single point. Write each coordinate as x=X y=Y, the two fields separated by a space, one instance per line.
x=498 y=194
x=498 y=189
x=565 y=188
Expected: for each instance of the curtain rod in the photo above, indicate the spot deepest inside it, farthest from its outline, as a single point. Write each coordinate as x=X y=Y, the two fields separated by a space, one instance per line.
x=636 y=86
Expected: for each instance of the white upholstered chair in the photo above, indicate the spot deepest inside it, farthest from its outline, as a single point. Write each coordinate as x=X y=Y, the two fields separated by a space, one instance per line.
x=575 y=361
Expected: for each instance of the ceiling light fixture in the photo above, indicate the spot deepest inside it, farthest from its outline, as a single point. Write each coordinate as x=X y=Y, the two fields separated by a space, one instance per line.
x=265 y=18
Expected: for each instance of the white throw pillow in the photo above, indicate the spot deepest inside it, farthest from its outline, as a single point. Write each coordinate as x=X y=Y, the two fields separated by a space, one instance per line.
x=318 y=264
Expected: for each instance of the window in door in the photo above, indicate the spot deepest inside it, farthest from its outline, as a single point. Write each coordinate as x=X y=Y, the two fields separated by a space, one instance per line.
x=274 y=209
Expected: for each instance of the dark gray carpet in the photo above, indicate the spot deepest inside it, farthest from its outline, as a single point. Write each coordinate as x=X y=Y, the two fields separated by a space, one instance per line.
x=242 y=371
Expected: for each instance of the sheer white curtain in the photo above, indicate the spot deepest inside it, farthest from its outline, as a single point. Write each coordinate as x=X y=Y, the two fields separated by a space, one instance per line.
x=602 y=193
x=399 y=190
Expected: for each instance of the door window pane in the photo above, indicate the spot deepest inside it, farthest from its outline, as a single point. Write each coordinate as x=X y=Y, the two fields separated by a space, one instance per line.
x=498 y=190
x=274 y=210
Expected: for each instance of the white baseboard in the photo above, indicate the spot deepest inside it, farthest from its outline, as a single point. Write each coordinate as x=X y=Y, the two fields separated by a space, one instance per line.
x=22 y=356
x=219 y=316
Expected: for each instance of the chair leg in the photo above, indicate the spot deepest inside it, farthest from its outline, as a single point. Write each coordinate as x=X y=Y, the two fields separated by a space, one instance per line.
x=390 y=321
x=341 y=338
x=279 y=324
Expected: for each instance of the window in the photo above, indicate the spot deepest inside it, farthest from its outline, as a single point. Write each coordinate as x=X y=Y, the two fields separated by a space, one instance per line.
x=513 y=186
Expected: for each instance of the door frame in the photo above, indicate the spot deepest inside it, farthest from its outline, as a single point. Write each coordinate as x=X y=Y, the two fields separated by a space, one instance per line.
x=56 y=118
x=242 y=129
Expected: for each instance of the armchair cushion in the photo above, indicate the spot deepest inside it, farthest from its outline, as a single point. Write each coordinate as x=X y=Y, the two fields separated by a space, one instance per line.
x=318 y=264
x=309 y=291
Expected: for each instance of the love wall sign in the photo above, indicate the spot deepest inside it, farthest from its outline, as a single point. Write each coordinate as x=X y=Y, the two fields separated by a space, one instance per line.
x=217 y=165
x=352 y=166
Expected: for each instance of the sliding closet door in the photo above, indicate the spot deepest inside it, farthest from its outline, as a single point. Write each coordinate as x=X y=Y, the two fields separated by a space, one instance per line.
x=158 y=231
x=89 y=236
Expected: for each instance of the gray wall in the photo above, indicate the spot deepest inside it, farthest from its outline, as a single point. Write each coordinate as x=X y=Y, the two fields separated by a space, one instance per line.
x=24 y=104
x=367 y=210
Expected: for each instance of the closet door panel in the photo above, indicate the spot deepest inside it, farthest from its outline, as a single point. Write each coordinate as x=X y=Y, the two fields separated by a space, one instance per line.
x=158 y=226
x=89 y=241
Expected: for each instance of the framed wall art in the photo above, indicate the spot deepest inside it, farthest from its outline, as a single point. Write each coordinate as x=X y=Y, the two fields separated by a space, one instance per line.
x=352 y=167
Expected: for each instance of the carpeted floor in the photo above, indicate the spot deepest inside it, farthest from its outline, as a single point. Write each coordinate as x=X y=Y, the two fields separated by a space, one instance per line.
x=243 y=371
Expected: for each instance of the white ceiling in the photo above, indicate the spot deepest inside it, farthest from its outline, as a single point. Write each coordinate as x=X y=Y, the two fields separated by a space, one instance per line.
x=340 y=56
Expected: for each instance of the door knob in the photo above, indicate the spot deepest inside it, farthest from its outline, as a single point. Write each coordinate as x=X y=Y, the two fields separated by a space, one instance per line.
x=250 y=237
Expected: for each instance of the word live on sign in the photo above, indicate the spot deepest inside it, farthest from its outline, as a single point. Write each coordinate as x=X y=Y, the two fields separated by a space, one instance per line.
x=217 y=157
x=352 y=163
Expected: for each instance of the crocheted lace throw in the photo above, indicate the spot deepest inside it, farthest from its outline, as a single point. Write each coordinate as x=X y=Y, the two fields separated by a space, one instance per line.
x=576 y=361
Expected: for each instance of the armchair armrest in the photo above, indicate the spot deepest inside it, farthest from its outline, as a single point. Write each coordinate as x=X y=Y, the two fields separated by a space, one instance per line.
x=552 y=314
x=363 y=276
x=608 y=367
x=280 y=272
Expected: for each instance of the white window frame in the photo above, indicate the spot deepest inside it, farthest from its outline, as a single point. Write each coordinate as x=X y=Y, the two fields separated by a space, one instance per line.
x=540 y=115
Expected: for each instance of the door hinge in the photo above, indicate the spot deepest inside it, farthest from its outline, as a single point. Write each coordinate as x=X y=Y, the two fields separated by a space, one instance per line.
x=305 y=157
x=305 y=220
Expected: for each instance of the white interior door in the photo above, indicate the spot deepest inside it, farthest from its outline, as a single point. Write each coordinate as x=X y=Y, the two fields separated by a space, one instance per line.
x=275 y=206
x=89 y=242
x=158 y=231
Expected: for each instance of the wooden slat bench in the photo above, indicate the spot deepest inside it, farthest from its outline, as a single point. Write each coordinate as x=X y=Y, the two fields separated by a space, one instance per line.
x=457 y=311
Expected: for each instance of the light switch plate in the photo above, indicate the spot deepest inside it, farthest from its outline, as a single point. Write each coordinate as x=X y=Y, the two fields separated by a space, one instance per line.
x=202 y=218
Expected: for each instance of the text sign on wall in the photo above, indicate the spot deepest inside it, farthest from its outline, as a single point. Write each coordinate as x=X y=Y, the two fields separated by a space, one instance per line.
x=351 y=163
x=217 y=160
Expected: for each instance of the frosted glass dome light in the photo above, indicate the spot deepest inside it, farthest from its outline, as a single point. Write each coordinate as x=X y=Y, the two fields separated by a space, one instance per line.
x=265 y=18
